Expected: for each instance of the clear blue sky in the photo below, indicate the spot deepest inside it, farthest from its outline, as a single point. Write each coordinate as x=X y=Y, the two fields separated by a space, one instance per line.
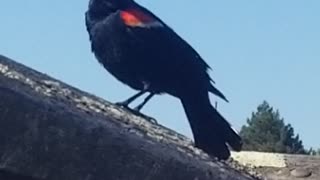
x=259 y=50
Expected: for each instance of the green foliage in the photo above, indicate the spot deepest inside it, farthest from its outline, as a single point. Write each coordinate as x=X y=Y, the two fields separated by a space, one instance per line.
x=314 y=152
x=267 y=132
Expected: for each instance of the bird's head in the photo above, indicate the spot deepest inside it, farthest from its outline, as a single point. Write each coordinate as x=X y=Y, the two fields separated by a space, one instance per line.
x=103 y=8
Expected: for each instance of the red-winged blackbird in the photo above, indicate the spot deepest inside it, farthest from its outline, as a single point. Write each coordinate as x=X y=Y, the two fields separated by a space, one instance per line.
x=141 y=51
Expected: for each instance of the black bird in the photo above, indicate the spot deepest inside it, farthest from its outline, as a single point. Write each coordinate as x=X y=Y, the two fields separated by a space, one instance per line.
x=140 y=50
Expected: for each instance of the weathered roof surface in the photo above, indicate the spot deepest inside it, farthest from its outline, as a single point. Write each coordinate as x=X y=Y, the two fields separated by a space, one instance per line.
x=52 y=131
x=276 y=166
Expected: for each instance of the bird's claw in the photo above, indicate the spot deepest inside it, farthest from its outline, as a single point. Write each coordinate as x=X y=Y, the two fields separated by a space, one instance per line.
x=136 y=111
x=124 y=104
x=138 y=108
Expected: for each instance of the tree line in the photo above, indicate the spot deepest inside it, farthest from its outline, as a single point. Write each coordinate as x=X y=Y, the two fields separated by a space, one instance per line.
x=266 y=131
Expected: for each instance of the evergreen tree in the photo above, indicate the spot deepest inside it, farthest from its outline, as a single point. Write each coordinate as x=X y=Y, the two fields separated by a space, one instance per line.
x=267 y=132
x=314 y=152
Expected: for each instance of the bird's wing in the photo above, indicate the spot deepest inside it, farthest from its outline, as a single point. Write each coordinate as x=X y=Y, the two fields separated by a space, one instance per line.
x=141 y=19
x=148 y=27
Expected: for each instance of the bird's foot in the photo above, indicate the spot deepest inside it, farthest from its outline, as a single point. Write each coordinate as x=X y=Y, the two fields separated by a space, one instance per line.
x=148 y=118
x=136 y=111
x=138 y=108
x=124 y=104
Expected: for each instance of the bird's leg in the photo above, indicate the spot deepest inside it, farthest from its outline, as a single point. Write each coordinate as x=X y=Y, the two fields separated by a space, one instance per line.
x=140 y=106
x=137 y=109
x=131 y=99
x=135 y=96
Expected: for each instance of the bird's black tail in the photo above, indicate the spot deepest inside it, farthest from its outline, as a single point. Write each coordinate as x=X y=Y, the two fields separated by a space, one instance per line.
x=211 y=131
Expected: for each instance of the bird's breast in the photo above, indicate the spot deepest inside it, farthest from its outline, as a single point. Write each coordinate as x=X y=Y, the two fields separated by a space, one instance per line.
x=119 y=51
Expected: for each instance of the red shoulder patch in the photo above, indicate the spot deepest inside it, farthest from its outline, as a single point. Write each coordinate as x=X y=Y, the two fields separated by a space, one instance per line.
x=136 y=18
